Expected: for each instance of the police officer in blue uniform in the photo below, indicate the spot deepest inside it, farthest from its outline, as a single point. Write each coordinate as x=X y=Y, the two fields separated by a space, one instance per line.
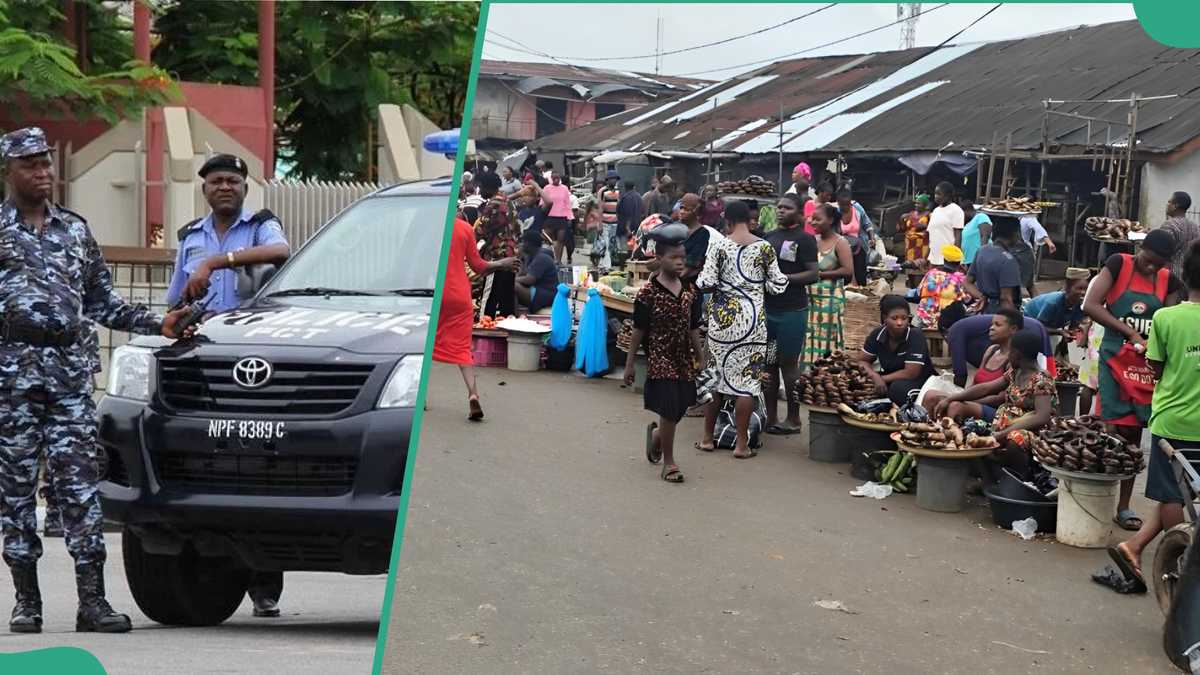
x=53 y=277
x=211 y=252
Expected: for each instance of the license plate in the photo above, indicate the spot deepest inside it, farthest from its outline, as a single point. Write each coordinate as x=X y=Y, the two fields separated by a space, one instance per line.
x=246 y=430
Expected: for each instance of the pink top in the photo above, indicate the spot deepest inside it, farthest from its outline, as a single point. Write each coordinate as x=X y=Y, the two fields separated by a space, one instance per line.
x=559 y=199
x=851 y=228
x=810 y=207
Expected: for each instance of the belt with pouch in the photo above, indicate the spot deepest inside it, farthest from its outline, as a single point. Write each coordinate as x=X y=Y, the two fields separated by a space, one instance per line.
x=37 y=336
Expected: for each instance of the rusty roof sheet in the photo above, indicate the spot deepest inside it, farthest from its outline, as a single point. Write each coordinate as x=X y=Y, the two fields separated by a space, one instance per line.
x=997 y=86
x=586 y=74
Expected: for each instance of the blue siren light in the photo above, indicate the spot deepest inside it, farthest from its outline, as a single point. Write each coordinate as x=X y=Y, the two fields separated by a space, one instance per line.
x=443 y=142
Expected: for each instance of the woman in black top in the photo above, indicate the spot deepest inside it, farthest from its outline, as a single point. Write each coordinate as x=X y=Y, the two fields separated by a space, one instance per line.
x=899 y=349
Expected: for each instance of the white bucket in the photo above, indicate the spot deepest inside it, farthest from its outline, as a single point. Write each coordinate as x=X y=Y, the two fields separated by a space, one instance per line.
x=1085 y=511
x=524 y=351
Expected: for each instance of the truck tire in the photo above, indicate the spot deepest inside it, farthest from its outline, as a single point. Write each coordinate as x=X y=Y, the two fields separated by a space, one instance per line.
x=184 y=589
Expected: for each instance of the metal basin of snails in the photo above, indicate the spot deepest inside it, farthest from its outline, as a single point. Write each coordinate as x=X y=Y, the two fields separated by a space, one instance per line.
x=1080 y=444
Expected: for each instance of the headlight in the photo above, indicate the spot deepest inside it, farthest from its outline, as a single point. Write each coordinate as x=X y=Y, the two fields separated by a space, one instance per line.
x=403 y=385
x=129 y=373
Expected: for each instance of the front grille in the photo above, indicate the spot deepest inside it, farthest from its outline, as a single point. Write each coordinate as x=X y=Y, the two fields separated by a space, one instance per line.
x=207 y=386
x=303 y=550
x=233 y=473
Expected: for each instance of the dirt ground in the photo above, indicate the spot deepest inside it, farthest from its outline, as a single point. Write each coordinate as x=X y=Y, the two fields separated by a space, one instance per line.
x=541 y=541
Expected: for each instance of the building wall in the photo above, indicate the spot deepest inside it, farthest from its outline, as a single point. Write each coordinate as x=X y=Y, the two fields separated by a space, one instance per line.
x=501 y=112
x=1160 y=179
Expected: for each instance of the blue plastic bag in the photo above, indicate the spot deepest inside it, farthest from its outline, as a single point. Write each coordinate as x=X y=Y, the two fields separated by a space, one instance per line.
x=591 y=345
x=560 y=319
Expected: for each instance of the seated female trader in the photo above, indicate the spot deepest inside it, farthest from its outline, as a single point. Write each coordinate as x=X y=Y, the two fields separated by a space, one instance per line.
x=535 y=285
x=970 y=338
x=1027 y=398
x=993 y=364
x=899 y=349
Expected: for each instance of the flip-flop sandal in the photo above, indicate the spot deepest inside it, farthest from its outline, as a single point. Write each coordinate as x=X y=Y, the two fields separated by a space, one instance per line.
x=653 y=454
x=1136 y=581
x=701 y=448
x=476 y=413
x=1125 y=519
x=1111 y=578
x=752 y=453
x=781 y=430
x=671 y=474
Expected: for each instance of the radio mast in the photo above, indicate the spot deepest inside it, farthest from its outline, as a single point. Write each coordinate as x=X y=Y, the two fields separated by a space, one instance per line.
x=908 y=12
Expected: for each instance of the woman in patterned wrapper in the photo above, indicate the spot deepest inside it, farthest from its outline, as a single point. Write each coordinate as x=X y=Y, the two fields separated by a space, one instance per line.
x=739 y=270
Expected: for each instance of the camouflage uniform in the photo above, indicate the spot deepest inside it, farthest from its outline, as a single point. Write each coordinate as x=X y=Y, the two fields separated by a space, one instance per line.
x=53 y=281
x=52 y=526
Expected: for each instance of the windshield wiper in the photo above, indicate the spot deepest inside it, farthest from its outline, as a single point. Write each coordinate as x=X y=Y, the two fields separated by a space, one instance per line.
x=317 y=290
x=413 y=292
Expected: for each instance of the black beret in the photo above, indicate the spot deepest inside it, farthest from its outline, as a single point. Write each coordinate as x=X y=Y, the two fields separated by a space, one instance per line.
x=223 y=162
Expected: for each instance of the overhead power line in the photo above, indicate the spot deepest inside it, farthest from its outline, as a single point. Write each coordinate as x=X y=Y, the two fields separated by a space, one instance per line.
x=983 y=16
x=811 y=49
x=692 y=48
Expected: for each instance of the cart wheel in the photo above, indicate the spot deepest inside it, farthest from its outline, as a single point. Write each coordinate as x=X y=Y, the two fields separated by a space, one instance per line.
x=1168 y=560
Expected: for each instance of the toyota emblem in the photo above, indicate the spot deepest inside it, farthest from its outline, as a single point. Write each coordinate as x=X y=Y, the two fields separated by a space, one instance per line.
x=252 y=372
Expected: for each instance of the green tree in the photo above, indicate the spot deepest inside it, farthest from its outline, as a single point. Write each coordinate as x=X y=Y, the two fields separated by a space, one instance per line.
x=335 y=63
x=40 y=72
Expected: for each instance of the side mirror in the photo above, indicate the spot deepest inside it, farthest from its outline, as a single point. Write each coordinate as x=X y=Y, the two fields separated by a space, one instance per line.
x=252 y=278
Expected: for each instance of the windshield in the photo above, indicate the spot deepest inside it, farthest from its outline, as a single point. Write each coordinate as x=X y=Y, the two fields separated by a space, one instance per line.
x=380 y=245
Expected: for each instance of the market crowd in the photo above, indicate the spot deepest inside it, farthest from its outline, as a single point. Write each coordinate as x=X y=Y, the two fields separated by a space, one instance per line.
x=741 y=301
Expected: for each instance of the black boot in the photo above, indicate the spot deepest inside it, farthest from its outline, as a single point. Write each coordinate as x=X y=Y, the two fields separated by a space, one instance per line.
x=95 y=614
x=27 y=615
x=52 y=526
x=265 y=607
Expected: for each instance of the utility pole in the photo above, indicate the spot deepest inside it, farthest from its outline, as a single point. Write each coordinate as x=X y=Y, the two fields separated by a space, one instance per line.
x=780 y=146
x=658 y=39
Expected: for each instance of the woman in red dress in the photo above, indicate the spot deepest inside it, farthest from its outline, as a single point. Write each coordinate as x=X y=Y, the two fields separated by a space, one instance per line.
x=452 y=343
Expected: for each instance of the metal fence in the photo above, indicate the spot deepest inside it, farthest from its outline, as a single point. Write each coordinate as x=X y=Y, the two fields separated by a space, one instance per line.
x=303 y=207
x=140 y=275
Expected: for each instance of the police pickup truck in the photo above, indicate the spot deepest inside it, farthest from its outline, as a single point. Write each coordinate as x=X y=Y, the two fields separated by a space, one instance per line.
x=276 y=439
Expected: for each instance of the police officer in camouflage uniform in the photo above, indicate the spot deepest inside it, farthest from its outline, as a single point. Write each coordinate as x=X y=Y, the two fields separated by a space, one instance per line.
x=52 y=277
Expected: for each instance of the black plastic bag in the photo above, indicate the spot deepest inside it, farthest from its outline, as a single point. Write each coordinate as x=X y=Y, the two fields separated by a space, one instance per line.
x=911 y=411
x=877 y=405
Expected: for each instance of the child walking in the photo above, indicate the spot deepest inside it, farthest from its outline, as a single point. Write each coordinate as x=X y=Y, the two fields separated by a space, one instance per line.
x=667 y=315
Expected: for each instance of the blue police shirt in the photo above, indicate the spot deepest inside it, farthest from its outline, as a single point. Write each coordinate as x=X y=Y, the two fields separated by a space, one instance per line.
x=201 y=242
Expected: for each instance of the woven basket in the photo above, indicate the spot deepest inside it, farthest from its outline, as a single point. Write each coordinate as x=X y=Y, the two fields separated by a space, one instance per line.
x=858 y=320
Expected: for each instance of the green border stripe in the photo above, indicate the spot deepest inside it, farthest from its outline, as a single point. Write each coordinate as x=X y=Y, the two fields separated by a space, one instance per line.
x=419 y=411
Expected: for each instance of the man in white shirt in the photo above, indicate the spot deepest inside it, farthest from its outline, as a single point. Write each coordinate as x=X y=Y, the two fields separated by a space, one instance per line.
x=946 y=219
x=1034 y=234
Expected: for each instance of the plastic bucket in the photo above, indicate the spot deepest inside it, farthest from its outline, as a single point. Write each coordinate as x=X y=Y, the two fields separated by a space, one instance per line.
x=524 y=351
x=825 y=442
x=1068 y=398
x=942 y=485
x=1085 y=511
x=862 y=442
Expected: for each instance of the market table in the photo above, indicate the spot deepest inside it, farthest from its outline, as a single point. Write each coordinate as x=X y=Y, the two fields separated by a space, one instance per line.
x=864 y=438
x=942 y=475
x=610 y=302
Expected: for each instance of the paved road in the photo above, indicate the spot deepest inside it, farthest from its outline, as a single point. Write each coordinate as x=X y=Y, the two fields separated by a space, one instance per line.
x=329 y=625
x=541 y=541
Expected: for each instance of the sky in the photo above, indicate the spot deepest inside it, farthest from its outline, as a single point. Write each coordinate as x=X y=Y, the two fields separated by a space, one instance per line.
x=571 y=32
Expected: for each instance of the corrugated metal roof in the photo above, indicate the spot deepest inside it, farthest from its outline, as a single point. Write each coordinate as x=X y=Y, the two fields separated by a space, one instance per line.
x=960 y=94
x=587 y=75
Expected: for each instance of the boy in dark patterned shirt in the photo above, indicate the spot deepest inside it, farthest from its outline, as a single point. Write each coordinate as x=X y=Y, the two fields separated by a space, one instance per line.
x=667 y=316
